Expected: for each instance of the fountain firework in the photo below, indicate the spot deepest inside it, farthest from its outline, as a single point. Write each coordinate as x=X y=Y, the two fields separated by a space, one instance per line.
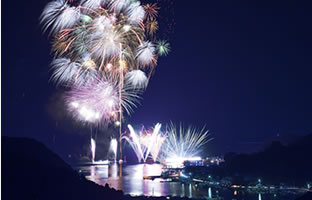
x=93 y=146
x=113 y=147
x=153 y=142
x=145 y=143
x=183 y=144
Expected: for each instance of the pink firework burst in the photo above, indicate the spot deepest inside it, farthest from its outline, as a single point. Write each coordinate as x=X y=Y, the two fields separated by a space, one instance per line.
x=101 y=102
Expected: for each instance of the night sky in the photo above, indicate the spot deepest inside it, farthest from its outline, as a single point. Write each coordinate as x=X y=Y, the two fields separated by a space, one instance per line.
x=241 y=68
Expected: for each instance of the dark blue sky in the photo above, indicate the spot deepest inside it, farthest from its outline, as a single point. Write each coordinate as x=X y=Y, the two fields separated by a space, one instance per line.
x=242 y=68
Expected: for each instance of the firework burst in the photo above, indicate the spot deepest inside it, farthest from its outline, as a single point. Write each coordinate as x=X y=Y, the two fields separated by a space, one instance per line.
x=58 y=15
x=137 y=78
x=183 y=143
x=151 y=11
x=95 y=40
x=98 y=102
x=145 y=143
x=163 y=47
x=146 y=53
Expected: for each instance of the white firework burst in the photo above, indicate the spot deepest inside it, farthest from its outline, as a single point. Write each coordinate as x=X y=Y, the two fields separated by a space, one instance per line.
x=136 y=78
x=85 y=77
x=68 y=73
x=118 y=5
x=64 y=71
x=101 y=24
x=93 y=3
x=183 y=143
x=105 y=44
x=58 y=15
x=135 y=13
x=146 y=53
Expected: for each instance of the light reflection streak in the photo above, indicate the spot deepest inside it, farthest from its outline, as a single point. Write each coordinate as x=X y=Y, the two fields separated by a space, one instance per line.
x=209 y=193
x=129 y=178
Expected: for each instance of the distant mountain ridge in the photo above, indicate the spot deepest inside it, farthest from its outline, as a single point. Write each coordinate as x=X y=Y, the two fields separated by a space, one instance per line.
x=278 y=163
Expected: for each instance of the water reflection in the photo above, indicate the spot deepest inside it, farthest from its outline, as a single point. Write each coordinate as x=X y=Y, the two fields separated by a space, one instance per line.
x=130 y=179
x=183 y=192
x=209 y=193
x=190 y=191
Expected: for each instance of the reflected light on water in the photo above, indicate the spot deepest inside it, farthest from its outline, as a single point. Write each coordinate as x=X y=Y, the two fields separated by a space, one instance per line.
x=113 y=170
x=209 y=193
x=183 y=192
x=190 y=190
x=152 y=188
x=130 y=179
x=98 y=172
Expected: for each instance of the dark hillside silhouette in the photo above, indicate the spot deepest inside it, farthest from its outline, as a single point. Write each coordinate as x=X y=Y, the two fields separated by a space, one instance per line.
x=30 y=171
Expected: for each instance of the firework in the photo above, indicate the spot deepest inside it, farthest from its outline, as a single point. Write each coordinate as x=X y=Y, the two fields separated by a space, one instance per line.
x=182 y=144
x=98 y=102
x=93 y=146
x=133 y=140
x=136 y=78
x=59 y=15
x=69 y=73
x=152 y=27
x=153 y=141
x=113 y=147
x=135 y=13
x=104 y=30
x=145 y=144
x=163 y=48
x=64 y=71
x=146 y=53
x=151 y=11
x=93 y=4
x=97 y=39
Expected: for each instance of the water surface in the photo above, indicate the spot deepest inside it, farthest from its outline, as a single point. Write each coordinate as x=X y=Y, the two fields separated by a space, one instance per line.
x=129 y=179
